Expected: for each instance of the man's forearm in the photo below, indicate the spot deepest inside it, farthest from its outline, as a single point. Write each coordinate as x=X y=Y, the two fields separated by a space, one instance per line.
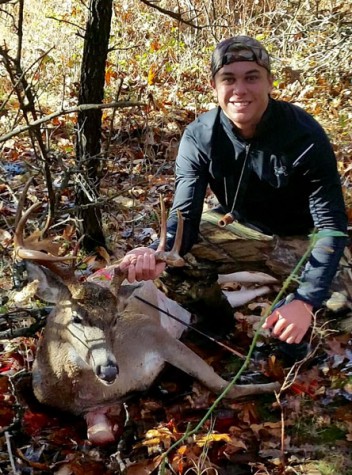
x=320 y=270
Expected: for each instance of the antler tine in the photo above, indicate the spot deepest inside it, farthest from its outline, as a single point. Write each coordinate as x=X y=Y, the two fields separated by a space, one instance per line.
x=21 y=250
x=21 y=221
x=172 y=257
x=21 y=201
x=162 y=241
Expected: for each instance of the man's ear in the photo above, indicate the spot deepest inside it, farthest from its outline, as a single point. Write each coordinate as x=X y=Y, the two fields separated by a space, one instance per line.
x=213 y=86
x=271 y=81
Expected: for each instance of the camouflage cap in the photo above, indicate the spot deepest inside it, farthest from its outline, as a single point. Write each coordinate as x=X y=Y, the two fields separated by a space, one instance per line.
x=239 y=48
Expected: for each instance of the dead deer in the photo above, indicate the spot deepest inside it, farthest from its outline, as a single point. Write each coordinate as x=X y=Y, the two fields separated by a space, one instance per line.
x=101 y=344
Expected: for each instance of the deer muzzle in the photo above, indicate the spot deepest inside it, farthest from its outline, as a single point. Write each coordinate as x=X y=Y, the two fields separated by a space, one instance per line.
x=107 y=373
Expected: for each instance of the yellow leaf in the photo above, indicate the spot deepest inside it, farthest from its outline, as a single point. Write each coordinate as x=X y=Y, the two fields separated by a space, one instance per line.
x=162 y=431
x=151 y=76
x=182 y=450
x=207 y=439
x=153 y=441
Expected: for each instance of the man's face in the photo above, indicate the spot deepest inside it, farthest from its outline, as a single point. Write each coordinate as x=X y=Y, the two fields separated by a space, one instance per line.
x=243 y=90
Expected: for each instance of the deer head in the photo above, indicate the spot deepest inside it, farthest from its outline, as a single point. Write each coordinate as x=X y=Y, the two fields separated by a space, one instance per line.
x=85 y=312
x=81 y=321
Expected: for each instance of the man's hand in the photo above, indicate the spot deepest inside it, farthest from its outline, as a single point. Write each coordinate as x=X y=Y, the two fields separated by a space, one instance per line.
x=141 y=264
x=291 y=321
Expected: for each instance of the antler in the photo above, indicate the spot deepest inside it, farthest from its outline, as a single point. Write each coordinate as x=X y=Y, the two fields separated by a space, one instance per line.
x=30 y=251
x=21 y=248
x=113 y=276
x=172 y=258
x=34 y=248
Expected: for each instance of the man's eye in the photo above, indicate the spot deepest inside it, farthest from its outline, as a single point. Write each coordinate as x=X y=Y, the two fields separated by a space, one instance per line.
x=252 y=78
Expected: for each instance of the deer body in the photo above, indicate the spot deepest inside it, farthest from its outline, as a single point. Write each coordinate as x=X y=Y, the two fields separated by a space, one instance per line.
x=97 y=348
x=100 y=344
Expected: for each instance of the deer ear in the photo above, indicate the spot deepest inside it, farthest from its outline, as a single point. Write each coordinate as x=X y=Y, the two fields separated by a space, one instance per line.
x=51 y=288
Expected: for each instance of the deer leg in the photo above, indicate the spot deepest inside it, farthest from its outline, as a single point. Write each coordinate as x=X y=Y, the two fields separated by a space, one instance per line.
x=179 y=355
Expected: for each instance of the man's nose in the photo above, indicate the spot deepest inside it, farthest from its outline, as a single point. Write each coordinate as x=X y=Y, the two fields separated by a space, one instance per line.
x=239 y=87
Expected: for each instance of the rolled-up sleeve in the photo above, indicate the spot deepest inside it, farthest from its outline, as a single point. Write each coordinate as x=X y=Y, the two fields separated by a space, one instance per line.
x=330 y=220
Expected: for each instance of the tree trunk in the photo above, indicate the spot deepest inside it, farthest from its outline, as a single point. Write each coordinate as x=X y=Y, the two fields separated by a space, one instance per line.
x=89 y=122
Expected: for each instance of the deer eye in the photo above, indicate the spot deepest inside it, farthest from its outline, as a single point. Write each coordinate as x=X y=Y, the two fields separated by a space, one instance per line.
x=76 y=318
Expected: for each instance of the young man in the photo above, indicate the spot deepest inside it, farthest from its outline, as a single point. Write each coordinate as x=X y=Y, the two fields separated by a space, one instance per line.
x=270 y=164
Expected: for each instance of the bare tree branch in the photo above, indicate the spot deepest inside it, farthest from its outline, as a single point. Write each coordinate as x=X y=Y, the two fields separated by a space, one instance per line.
x=170 y=13
x=70 y=110
x=61 y=20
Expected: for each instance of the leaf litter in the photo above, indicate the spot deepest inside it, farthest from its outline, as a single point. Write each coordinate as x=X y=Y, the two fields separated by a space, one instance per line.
x=264 y=435
x=313 y=413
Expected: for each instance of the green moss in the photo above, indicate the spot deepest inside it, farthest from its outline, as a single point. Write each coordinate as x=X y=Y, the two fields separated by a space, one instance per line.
x=334 y=466
x=330 y=434
x=306 y=431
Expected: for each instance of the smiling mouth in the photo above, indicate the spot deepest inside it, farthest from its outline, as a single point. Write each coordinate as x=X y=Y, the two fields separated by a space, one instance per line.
x=240 y=104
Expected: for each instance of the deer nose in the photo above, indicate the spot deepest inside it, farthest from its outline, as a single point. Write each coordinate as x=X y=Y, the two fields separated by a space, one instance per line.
x=108 y=373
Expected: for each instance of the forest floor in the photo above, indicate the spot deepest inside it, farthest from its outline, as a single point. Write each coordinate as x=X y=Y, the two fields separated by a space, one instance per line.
x=305 y=429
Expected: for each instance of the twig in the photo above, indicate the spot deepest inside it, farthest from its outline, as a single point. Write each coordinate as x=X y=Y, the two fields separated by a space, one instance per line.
x=289 y=381
x=108 y=140
x=170 y=13
x=295 y=369
x=70 y=110
x=9 y=450
x=23 y=332
x=61 y=20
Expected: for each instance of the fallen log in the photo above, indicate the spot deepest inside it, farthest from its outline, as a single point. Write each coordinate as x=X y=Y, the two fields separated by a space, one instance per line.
x=237 y=247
